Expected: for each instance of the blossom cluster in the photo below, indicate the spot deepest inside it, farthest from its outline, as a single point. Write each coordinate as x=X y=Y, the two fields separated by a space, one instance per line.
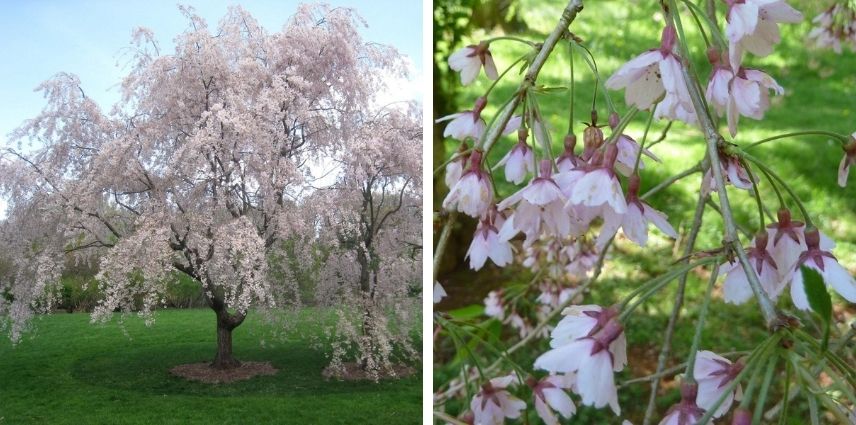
x=777 y=255
x=834 y=27
x=571 y=207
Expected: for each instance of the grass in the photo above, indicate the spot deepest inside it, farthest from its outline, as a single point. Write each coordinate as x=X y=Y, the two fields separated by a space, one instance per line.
x=820 y=91
x=72 y=372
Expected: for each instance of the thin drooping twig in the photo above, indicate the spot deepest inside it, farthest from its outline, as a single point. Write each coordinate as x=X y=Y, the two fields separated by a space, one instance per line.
x=663 y=135
x=442 y=242
x=712 y=139
x=676 y=309
x=742 y=229
x=448 y=418
x=495 y=132
x=673 y=370
x=535 y=331
x=669 y=181
x=568 y=15
x=770 y=414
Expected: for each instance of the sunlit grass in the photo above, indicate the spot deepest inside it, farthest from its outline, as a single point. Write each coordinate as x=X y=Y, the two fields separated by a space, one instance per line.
x=72 y=372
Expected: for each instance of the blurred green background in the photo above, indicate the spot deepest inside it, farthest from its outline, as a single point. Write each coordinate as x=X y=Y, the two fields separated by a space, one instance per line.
x=819 y=94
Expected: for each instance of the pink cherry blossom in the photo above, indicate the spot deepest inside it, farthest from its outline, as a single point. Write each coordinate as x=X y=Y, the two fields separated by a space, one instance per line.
x=628 y=150
x=741 y=92
x=676 y=106
x=634 y=222
x=652 y=75
x=568 y=160
x=538 y=205
x=466 y=124
x=550 y=397
x=752 y=26
x=493 y=306
x=583 y=258
x=822 y=261
x=833 y=27
x=487 y=243
x=577 y=322
x=523 y=327
x=847 y=160
x=713 y=373
x=455 y=168
x=732 y=171
x=788 y=242
x=599 y=186
x=469 y=61
x=591 y=343
x=519 y=161
x=494 y=403
x=736 y=289
x=718 y=92
x=555 y=295
x=686 y=412
x=470 y=125
x=472 y=194
x=749 y=96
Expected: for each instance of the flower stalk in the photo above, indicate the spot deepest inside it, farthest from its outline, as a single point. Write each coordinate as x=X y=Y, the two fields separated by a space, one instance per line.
x=712 y=137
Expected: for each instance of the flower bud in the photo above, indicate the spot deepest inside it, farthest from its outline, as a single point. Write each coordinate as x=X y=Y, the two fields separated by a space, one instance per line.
x=592 y=137
x=614 y=120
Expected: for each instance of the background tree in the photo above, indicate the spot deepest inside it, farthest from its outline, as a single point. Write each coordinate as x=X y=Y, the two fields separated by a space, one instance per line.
x=195 y=169
x=373 y=225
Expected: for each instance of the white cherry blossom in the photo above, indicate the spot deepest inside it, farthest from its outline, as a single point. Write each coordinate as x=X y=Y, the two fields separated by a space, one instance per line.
x=469 y=61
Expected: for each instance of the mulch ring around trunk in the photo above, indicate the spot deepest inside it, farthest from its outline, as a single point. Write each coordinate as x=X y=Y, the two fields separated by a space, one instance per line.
x=351 y=371
x=203 y=372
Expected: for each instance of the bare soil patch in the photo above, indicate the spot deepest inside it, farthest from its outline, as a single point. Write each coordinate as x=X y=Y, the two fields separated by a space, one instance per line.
x=351 y=371
x=203 y=372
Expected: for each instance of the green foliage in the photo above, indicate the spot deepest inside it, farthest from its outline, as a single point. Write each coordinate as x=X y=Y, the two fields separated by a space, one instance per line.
x=818 y=299
x=79 y=292
x=72 y=372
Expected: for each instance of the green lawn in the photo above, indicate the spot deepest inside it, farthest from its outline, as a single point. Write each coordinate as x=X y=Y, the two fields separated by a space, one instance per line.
x=72 y=372
x=820 y=94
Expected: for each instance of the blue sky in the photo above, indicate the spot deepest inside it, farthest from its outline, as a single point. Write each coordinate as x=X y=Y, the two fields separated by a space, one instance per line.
x=40 y=38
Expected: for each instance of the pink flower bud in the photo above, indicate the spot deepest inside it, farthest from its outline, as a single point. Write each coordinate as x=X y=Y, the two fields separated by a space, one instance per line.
x=614 y=119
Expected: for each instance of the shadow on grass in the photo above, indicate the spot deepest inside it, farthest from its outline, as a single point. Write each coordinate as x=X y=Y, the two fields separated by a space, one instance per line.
x=146 y=370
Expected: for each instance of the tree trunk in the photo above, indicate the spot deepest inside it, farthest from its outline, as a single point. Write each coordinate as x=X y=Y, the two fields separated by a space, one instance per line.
x=226 y=323
x=224 y=358
x=367 y=323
